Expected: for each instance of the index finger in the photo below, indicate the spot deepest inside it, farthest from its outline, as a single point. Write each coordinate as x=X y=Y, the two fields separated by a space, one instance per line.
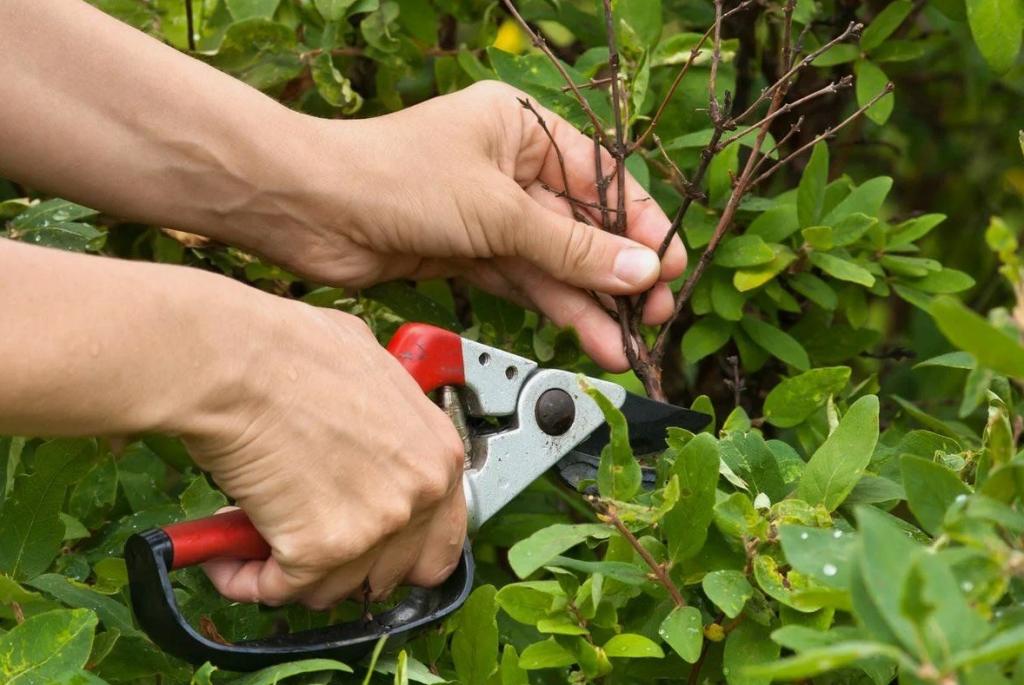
x=646 y=222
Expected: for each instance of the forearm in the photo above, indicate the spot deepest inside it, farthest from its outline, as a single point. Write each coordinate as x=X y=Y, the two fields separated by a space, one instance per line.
x=98 y=112
x=97 y=346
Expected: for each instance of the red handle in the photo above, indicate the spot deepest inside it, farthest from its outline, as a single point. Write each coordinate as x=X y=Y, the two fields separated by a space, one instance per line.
x=432 y=356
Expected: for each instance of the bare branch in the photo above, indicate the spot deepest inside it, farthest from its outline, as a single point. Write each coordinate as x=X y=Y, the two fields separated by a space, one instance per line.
x=542 y=45
x=593 y=83
x=694 y=53
x=527 y=105
x=740 y=188
x=835 y=86
x=852 y=31
x=828 y=132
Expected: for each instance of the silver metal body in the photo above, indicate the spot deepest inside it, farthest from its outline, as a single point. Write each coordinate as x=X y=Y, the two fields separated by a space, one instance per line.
x=503 y=463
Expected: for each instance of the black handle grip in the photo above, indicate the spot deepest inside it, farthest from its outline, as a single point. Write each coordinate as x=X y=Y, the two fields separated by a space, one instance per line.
x=149 y=555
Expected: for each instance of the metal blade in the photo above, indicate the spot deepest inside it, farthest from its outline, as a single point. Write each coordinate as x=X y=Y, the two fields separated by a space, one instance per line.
x=648 y=420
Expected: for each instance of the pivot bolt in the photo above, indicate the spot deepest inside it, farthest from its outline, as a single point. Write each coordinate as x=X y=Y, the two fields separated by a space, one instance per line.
x=555 y=411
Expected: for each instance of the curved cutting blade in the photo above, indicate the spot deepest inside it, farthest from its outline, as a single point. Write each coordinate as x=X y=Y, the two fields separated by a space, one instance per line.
x=648 y=420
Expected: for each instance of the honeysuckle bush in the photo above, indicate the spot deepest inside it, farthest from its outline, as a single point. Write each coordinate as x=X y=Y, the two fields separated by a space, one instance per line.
x=852 y=511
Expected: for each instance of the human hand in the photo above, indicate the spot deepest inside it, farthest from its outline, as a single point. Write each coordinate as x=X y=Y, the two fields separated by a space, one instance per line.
x=341 y=462
x=455 y=187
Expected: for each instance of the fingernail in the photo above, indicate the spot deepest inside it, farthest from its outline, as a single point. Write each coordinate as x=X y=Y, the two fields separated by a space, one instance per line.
x=636 y=265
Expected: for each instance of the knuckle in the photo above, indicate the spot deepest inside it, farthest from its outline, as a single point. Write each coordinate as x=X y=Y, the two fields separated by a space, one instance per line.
x=390 y=519
x=579 y=247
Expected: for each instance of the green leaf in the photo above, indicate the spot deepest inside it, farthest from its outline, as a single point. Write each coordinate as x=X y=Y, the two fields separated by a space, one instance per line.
x=748 y=645
x=776 y=224
x=814 y=289
x=475 y=641
x=825 y=554
x=619 y=570
x=412 y=305
x=686 y=524
x=629 y=645
x=683 y=630
x=333 y=86
x=51 y=212
x=867 y=198
x=837 y=465
x=726 y=301
x=930 y=489
x=837 y=54
x=618 y=474
x=950 y=360
x=526 y=556
x=47 y=647
x=777 y=342
x=246 y=9
x=841 y=268
x=705 y=337
x=896 y=50
x=261 y=52
x=914 y=229
x=529 y=602
x=1007 y=644
x=379 y=28
x=943 y=282
x=511 y=673
x=743 y=250
x=794 y=399
x=747 y=454
x=333 y=10
x=200 y=499
x=547 y=654
x=871 y=81
x=112 y=613
x=988 y=345
x=996 y=26
x=883 y=25
x=754 y=277
x=729 y=590
x=640 y=19
x=274 y=674
x=811 y=192
x=502 y=317
x=851 y=228
x=31 y=531
x=824 y=659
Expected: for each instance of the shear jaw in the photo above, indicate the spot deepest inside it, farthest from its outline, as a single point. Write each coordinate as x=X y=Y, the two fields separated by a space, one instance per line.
x=505 y=462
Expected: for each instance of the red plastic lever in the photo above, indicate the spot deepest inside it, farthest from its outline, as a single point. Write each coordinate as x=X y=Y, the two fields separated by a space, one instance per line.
x=431 y=355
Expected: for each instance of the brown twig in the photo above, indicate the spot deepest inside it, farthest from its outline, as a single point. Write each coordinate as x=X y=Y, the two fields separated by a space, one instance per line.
x=740 y=188
x=834 y=87
x=828 y=132
x=606 y=512
x=542 y=45
x=528 y=106
x=694 y=53
x=593 y=83
x=852 y=31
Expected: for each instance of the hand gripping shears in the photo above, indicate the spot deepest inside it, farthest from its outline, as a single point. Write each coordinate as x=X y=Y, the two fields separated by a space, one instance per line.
x=522 y=420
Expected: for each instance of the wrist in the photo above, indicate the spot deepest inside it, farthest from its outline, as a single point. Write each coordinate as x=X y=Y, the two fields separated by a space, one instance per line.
x=229 y=327
x=296 y=190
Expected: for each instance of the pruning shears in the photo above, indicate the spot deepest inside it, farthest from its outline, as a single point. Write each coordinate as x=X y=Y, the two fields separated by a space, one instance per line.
x=520 y=420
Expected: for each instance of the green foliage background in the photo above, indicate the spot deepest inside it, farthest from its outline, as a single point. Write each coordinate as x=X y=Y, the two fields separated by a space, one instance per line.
x=853 y=515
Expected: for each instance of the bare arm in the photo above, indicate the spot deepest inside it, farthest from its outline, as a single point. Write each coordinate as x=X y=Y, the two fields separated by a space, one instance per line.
x=102 y=114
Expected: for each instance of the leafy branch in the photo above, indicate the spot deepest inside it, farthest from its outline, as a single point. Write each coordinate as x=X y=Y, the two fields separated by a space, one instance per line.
x=727 y=129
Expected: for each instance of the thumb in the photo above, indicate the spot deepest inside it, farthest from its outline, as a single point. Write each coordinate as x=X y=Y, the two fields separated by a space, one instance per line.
x=585 y=256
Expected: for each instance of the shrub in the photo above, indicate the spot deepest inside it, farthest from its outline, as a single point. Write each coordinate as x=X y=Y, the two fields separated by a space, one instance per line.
x=848 y=516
